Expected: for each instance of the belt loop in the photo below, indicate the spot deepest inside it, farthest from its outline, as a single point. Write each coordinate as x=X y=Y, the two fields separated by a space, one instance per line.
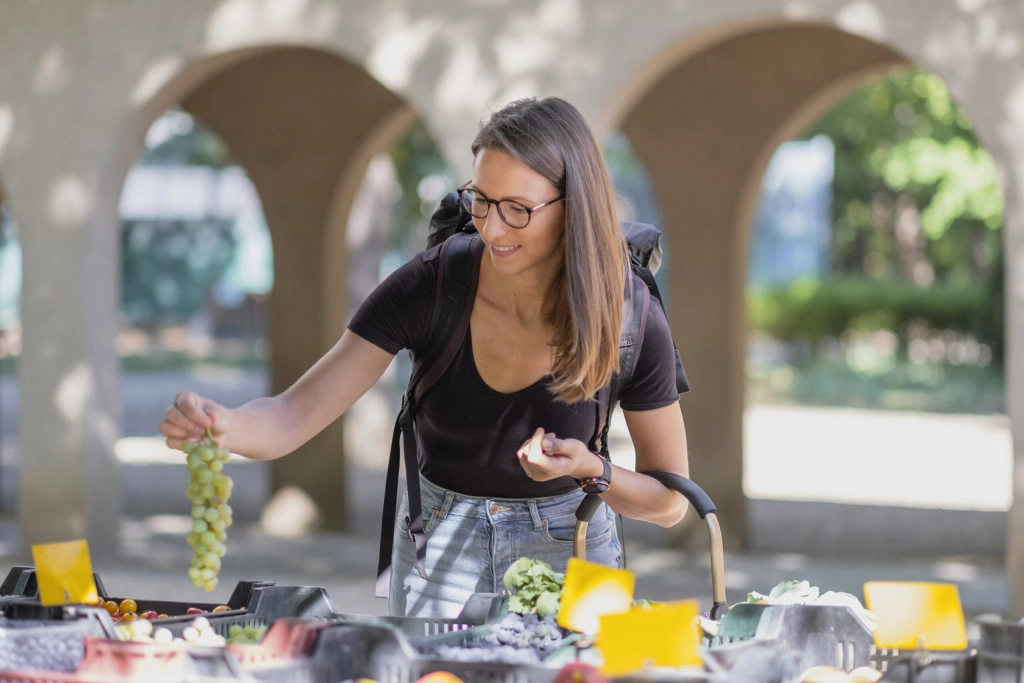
x=446 y=505
x=535 y=514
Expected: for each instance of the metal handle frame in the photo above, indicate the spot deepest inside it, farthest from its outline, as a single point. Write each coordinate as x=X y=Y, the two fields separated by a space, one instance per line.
x=703 y=506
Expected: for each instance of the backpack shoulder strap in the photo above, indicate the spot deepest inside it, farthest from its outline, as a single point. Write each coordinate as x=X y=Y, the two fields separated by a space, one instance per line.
x=457 y=275
x=635 y=308
x=458 y=271
x=682 y=383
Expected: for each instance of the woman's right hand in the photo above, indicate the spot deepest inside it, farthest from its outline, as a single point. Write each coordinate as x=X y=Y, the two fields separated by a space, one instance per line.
x=190 y=417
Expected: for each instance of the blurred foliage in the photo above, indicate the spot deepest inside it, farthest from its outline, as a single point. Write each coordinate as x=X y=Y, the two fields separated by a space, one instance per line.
x=169 y=268
x=807 y=310
x=196 y=145
x=917 y=227
x=6 y=228
x=904 y=138
x=925 y=387
x=416 y=158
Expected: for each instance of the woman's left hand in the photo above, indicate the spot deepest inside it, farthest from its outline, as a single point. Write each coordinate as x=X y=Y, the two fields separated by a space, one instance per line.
x=544 y=457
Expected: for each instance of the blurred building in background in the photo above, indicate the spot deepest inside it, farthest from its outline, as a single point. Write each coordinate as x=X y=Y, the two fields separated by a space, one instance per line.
x=306 y=96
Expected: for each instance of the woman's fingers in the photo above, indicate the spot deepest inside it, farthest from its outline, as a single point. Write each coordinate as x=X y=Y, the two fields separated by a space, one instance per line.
x=191 y=406
x=168 y=428
x=178 y=419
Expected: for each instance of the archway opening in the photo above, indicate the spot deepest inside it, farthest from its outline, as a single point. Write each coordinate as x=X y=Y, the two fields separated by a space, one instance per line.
x=314 y=166
x=875 y=300
x=196 y=273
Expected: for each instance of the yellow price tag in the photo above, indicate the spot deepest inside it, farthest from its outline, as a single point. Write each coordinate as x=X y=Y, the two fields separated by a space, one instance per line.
x=656 y=636
x=592 y=590
x=910 y=614
x=64 y=573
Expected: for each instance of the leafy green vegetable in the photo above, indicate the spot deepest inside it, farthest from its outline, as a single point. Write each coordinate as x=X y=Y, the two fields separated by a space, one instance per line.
x=787 y=593
x=548 y=604
x=536 y=586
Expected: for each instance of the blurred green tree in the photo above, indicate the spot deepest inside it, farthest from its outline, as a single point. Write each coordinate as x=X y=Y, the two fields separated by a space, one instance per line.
x=915 y=193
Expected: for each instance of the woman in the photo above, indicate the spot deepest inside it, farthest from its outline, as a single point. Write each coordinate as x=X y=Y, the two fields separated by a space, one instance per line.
x=503 y=433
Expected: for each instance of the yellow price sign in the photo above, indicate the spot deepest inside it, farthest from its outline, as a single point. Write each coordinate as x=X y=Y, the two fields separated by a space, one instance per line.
x=592 y=590
x=656 y=636
x=64 y=573
x=911 y=614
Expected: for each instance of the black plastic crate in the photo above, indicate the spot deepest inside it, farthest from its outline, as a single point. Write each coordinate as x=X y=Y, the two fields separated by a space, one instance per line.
x=1000 y=651
x=265 y=605
x=384 y=654
x=480 y=609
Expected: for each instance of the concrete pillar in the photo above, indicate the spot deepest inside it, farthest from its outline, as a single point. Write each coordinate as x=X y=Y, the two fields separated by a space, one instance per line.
x=300 y=121
x=705 y=132
x=1008 y=149
x=69 y=419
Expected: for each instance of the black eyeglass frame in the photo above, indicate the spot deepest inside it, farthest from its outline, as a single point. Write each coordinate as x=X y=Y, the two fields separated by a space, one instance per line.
x=497 y=203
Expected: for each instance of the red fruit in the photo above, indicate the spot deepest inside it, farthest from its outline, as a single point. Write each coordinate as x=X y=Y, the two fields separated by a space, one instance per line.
x=578 y=672
x=194 y=610
x=150 y=615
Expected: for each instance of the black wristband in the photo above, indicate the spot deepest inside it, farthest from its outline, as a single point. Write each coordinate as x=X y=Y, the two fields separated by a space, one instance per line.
x=597 y=484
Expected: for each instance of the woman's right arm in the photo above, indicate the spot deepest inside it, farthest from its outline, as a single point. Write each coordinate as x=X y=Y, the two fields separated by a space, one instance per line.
x=269 y=428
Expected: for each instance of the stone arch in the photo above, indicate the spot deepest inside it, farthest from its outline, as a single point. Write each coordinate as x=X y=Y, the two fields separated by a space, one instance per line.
x=706 y=127
x=304 y=123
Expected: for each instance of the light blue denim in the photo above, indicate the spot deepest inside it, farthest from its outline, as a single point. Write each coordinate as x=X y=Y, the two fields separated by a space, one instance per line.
x=471 y=541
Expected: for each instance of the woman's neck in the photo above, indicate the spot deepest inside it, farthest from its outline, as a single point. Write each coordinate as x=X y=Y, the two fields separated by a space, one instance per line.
x=524 y=295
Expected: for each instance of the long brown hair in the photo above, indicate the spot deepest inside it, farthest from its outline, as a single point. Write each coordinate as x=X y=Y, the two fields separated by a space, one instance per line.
x=585 y=306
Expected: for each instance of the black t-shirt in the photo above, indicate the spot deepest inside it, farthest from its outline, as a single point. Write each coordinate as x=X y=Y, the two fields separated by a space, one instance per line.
x=468 y=433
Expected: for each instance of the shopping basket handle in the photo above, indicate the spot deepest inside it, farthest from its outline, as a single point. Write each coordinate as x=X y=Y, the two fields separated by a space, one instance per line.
x=704 y=507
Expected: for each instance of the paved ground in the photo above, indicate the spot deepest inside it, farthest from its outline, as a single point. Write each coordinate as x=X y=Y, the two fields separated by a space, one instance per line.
x=155 y=562
x=838 y=497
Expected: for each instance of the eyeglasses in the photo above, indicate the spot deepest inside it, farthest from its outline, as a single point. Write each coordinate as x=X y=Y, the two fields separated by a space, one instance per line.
x=512 y=212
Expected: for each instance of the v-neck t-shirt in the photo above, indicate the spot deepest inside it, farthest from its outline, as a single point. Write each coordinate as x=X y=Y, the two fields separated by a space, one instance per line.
x=468 y=432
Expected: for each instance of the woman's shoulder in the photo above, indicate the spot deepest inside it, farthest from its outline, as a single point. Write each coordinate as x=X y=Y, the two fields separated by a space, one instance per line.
x=396 y=313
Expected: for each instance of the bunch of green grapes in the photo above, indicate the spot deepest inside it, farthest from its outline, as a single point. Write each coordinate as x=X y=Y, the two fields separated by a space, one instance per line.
x=209 y=489
x=245 y=635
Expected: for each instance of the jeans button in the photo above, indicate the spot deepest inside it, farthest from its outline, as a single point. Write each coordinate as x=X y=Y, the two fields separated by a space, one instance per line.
x=494 y=508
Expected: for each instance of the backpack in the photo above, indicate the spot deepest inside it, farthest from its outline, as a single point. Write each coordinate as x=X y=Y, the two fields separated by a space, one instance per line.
x=458 y=269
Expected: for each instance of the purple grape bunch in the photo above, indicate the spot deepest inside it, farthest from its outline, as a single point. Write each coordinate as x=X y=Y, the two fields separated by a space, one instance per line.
x=516 y=639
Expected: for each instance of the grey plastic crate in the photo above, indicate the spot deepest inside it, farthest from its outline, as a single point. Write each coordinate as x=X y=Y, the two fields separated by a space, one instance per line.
x=822 y=634
x=826 y=635
x=50 y=641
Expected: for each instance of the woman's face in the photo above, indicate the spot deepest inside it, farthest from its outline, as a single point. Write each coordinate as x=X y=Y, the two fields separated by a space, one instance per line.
x=498 y=176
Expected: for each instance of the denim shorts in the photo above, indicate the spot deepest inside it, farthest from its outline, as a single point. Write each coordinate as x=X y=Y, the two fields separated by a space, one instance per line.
x=472 y=541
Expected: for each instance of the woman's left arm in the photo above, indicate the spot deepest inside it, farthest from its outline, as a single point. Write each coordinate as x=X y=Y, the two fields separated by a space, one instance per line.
x=659 y=438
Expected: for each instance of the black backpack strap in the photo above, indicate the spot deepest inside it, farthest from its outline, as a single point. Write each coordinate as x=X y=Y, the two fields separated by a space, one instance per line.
x=682 y=383
x=634 y=321
x=458 y=272
x=635 y=308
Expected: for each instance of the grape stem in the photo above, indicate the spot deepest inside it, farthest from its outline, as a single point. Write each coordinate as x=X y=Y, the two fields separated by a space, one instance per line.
x=209 y=435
